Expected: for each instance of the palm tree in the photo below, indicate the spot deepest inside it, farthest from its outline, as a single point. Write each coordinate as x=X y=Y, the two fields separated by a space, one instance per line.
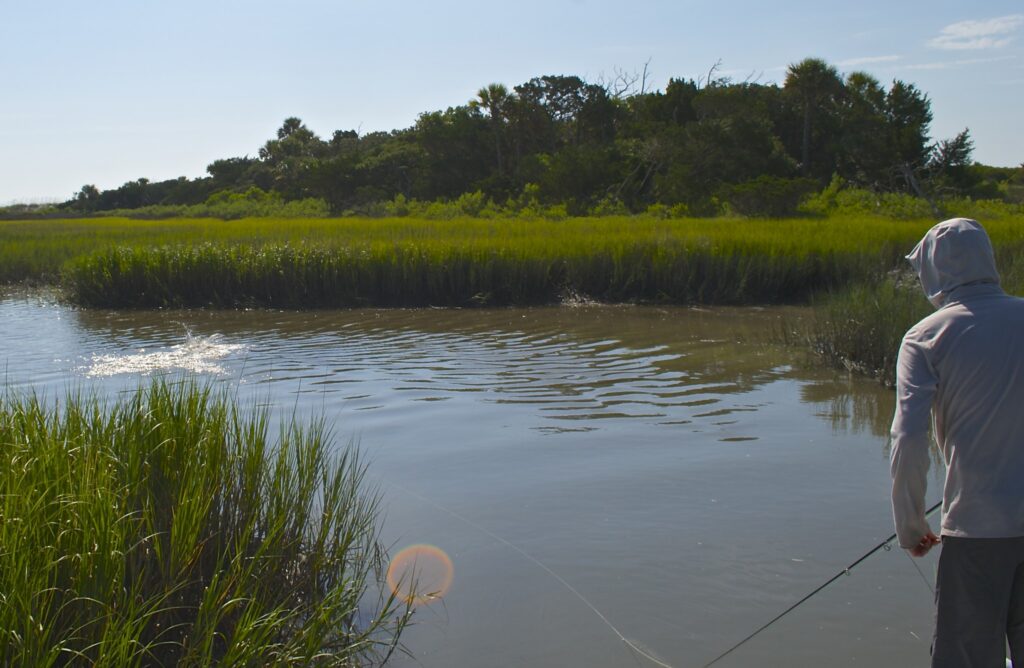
x=495 y=99
x=813 y=81
x=291 y=126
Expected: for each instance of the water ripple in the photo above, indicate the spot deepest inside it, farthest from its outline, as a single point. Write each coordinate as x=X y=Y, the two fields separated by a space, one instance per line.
x=556 y=366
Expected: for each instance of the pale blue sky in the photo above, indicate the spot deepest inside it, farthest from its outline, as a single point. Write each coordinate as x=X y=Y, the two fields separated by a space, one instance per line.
x=109 y=91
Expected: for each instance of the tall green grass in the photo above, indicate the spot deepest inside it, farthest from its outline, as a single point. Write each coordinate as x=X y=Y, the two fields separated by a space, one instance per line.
x=405 y=262
x=167 y=528
x=860 y=327
x=344 y=262
x=38 y=250
x=474 y=273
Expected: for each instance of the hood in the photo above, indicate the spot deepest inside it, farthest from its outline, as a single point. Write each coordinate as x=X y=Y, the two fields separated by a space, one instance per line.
x=952 y=254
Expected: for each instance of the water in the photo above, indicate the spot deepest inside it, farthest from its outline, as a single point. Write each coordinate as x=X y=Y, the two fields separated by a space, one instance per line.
x=663 y=474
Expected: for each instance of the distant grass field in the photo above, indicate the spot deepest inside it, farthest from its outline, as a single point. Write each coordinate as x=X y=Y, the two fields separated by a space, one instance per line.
x=344 y=262
x=37 y=250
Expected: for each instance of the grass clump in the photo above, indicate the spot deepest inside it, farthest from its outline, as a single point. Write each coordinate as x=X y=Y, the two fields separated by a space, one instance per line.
x=860 y=327
x=167 y=529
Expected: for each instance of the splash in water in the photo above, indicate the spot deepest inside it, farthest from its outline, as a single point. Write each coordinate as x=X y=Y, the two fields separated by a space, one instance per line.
x=198 y=354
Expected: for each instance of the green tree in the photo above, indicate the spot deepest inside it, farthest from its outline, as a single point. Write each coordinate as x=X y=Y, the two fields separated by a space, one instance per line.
x=909 y=115
x=87 y=198
x=290 y=156
x=863 y=157
x=496 y=101
x=949 y=162
x=564 y=100
x=230 y=172
x=732 y=141
x=580 y=176
x=816 y=85
x=455 y=154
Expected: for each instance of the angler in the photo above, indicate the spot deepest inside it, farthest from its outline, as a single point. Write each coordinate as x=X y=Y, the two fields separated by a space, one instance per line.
x=962 y=369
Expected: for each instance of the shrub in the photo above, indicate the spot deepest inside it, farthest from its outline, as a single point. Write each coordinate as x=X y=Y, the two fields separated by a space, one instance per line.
x=980 y=209
x=609 y=206
x=227 y=205
x=659 y=211
x=398 y=207
x=769 y=196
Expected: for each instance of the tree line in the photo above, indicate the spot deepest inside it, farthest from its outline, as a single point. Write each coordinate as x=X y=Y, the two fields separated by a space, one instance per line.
x=699 y=145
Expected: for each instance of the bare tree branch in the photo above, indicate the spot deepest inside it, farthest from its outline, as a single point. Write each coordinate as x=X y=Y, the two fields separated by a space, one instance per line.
x=643 y=78
x=625 y=84
x=752 y=78
x=710 y=79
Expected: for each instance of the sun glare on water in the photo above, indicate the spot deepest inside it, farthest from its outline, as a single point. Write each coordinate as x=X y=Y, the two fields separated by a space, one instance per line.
x=420 y=574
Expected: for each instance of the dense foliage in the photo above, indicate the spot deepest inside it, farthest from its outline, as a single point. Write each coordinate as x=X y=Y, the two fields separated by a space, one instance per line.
x=702 y=147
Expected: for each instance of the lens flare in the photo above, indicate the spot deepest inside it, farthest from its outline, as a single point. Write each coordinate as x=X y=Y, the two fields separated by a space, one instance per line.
x=420 y=574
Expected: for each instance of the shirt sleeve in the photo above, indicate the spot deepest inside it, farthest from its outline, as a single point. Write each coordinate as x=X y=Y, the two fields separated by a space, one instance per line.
x=916 y=382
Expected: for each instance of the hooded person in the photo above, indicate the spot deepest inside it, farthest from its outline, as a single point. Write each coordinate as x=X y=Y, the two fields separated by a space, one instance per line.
x=960 y=372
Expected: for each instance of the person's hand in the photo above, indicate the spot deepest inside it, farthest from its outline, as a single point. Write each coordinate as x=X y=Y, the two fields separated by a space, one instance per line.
x=927 y=542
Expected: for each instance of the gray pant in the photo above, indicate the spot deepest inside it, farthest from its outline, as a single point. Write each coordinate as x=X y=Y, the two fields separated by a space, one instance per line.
x=979 y=596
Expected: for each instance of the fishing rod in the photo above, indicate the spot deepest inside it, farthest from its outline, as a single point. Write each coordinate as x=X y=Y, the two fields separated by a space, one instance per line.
x=629 y=643
x=846 y=571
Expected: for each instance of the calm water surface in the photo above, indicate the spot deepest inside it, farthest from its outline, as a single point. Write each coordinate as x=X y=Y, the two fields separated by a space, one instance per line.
x=665 y=472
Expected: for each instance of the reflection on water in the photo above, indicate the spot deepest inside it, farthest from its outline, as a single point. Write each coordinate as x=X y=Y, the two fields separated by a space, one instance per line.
x=845 y=404
x=663 y=473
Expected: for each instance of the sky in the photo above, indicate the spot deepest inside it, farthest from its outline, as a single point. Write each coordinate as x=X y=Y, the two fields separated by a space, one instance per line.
x=109 y=91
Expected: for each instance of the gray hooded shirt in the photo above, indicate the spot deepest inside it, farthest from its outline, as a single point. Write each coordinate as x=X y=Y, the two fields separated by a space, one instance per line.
x=961 y=371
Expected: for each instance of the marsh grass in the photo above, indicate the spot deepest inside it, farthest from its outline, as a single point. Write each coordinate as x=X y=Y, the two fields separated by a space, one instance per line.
x=168 y=529
x=860 y=327
x=39 y=250
x=478 y=273
x=407 y=262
